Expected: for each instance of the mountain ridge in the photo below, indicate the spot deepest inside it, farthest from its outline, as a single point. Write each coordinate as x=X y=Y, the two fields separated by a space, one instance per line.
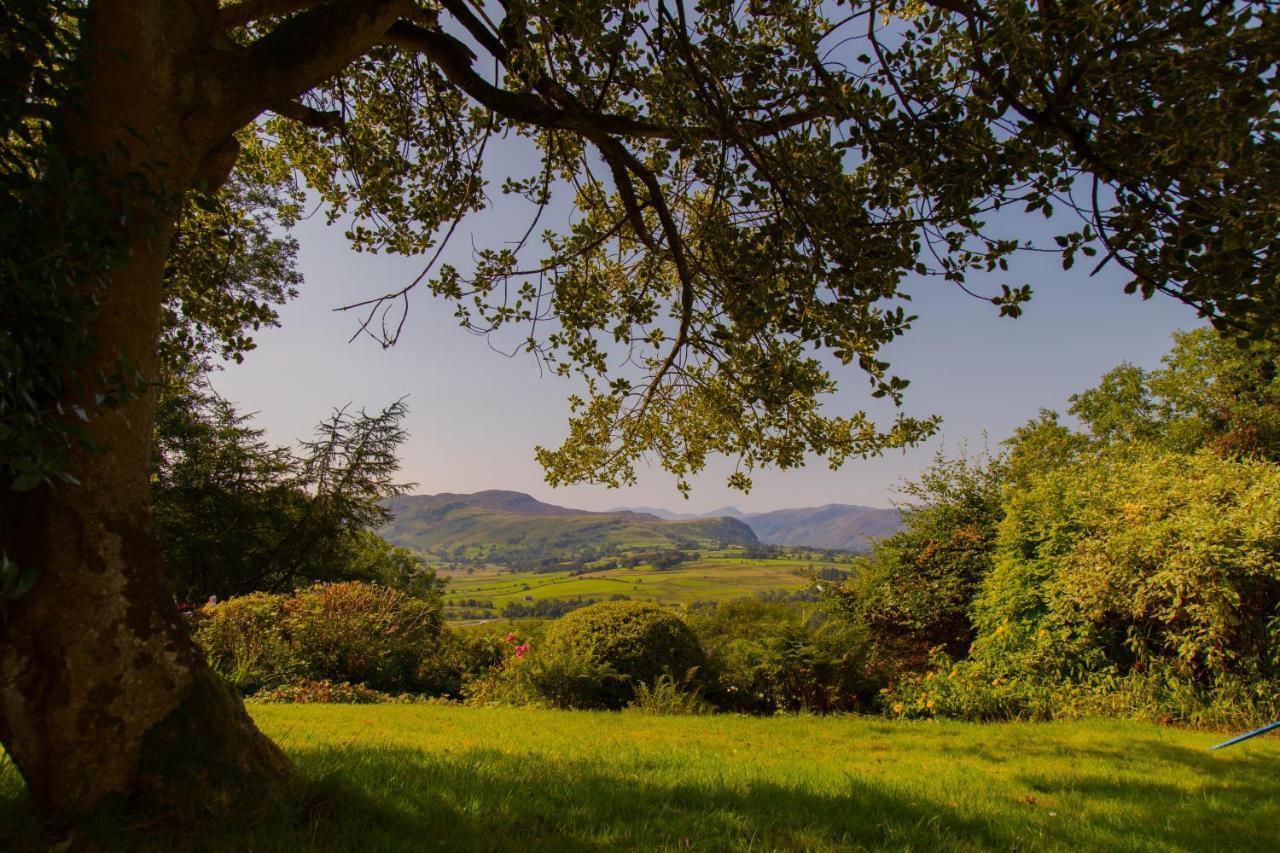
x=507 y=526
x=450 y=521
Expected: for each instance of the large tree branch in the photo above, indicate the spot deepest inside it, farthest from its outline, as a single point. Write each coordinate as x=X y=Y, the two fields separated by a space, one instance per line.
x=454 y=59
x=301 y=53
x=239 y=14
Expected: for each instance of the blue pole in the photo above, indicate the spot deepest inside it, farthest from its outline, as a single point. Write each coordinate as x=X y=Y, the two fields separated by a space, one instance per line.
x=1247 y=735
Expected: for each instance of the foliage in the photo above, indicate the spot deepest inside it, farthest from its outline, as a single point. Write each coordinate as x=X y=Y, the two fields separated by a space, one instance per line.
x=670 y=696
x=1212 y=391
x=764 y=657
x=973 y=690
x=362 y=633
x=1221 y=394
x=1128 y=114
x=308 y=692
x=773 y=175
x=234 y=514
x=1134 y=559
x=243 y=640
x=1139 y=581
x=524 y=674
x=1129 y=568
x=349 y=632
x=915 y=589
x=459 y=659
x=55 y=265
x=636 y=640
x=230 y=264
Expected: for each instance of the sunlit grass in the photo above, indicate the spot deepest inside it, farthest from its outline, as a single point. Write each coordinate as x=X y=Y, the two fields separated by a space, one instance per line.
x=423 y=777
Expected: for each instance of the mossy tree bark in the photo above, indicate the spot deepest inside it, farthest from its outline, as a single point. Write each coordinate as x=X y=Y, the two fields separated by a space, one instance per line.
x=102 y=691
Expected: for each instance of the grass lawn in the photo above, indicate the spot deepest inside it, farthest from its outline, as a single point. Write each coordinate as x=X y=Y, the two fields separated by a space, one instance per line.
x=404 y=777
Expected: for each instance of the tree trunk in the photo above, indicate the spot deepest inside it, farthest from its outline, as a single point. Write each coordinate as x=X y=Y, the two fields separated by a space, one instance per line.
x=102 y=691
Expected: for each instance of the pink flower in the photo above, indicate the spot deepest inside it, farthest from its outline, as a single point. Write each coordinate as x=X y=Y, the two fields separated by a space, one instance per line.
x=521 y=649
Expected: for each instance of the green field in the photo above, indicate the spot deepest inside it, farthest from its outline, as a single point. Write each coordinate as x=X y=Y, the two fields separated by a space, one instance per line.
x=714 y=577
x=406 y=777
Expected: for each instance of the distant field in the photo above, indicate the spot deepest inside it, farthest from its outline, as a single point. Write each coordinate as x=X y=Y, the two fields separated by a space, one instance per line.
x=405 y=777
x=712 y=578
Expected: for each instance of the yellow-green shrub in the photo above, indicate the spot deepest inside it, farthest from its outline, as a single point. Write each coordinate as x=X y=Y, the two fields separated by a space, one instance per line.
x=1139 y=582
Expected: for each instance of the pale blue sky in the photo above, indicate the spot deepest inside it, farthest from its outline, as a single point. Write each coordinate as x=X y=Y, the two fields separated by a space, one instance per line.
x=475 y=416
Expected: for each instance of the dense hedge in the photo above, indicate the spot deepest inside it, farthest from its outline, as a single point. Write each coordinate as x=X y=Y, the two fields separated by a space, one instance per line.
x=1142 y=583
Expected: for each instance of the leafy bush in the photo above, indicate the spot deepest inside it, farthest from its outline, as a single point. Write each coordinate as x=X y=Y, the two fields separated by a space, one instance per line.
x=361 y=633
x=915 y=590
x=1143 y=583
x=460 y=657
x=242 y=639
x=1136 y=559
x=525 y=675
x=764 y=657
x=349 y=632
x=309 y=692
x=637 y=641
x=667 y=696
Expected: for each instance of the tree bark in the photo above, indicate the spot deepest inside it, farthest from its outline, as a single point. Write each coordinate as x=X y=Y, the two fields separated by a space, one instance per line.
x=102 y=691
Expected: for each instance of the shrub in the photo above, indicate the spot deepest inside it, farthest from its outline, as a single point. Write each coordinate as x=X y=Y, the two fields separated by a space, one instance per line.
x=1135 y=561
x=525 y=676
x=310 y=692
x=1143 y=583
x=915 y=590
x=242 y=639
x=459 y=657
x=637 y=641
x=668 y=696
x=361 y=633
x=764 y=657
x=349 y=632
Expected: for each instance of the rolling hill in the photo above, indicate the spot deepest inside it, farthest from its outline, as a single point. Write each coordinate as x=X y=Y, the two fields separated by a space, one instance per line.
x=504 y=526
x=836 y=527
x=839 y=527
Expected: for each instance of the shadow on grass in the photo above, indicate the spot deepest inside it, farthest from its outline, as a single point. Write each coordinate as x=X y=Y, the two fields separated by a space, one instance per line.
x=485 y=799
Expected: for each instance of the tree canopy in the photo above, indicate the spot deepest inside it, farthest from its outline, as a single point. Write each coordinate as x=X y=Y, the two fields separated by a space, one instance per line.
x=750 y=185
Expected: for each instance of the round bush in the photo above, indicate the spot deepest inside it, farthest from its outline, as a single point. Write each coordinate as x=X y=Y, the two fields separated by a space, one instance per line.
x=637 y=640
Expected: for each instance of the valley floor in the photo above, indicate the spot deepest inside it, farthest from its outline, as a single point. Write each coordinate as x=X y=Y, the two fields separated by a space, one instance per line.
x=415 y=777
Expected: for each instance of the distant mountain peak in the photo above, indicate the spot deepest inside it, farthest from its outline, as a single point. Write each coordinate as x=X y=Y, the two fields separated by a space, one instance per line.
x=513 y=527
x=834 y=526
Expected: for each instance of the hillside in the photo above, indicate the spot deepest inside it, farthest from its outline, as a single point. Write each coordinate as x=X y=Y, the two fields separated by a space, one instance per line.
x=839 y=527
x=503 y=526
x=835 y=527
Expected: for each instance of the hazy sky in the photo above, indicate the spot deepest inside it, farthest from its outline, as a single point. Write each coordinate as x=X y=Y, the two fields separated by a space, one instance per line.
x=475 y=415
